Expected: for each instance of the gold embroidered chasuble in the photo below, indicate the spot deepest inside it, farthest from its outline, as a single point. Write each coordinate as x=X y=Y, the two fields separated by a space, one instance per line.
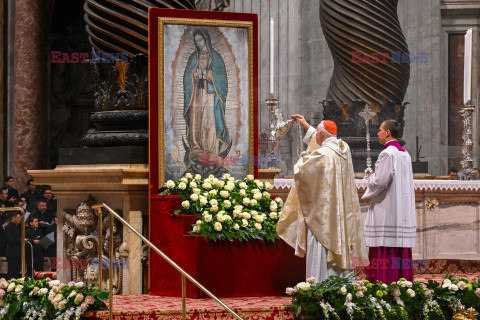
x=325 y=200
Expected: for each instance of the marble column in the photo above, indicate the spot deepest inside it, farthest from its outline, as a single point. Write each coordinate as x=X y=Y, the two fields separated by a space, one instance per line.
x=30 y=114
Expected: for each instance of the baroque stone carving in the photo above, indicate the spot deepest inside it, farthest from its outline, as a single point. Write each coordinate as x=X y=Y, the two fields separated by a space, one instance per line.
x=81 y=246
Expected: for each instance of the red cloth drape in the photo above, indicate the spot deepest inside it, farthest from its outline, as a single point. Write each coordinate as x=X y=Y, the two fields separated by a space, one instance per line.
x=388 y=264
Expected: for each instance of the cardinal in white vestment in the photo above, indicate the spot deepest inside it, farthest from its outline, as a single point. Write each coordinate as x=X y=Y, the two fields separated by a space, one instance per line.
x=321 y=217
x=390 y=228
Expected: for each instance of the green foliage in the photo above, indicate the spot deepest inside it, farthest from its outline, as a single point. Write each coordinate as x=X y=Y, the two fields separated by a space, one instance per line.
x=228 y=209
x=339 y=298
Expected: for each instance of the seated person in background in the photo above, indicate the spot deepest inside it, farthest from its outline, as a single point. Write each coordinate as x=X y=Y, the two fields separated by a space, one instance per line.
x=33 y=234
x=14 y=244
x=41 y=214
x=3 y=198
x=11 y=191
x=51 y=201
x=31 y=196
x=453 y=173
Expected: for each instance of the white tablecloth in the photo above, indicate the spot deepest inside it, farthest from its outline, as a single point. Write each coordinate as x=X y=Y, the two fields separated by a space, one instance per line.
x=419 y=184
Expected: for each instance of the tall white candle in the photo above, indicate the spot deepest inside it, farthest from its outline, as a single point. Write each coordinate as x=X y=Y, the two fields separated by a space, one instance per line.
x=271 y=55
x=467 y=67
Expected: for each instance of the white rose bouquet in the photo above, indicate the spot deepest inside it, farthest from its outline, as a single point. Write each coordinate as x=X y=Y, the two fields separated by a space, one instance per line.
x=49 y=299
x=228 y=209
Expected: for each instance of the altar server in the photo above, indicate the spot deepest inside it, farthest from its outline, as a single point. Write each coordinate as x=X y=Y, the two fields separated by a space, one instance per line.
x=390 y=227
x=321 y=217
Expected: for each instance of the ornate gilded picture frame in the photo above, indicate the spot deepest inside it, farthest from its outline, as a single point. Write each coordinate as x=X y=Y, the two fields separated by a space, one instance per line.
x=203 y=94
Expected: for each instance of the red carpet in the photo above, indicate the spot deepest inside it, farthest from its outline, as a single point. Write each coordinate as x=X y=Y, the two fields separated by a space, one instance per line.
x=147 y=307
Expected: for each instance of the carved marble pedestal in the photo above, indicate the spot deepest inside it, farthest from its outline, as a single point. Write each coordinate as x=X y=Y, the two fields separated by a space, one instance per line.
x=123 y=188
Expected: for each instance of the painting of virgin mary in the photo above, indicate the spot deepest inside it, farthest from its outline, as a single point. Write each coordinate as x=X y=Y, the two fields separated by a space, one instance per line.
x=205 y=94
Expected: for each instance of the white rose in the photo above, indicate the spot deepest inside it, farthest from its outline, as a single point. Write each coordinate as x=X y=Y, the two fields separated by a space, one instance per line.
x=220 y=218
x=226 y=176
x=238 y=207
x=258 y=226
x=305 y=286
x=73 y=293
x=311 y=280
x=237 y=213
x=186 y=204
x=199 y=222
x=279 y=200
x=246 y=201
x=246 y=215
x=253 y=202
x=253 y=213
x=411 y=293
x=227 y=204
x=217 y=226
x=259 y=218
x=343 y=290
x=273 y=215
x=229 y=187
x=255 y=191
x=257 y=196
x=224 y=194
x=196 y=229
x=213 y=191
x=19 y=288
x=236 y=226
x=194 y=197
x=193 y=184
x=198 y=177
x=242 y=185
x=196 y=191
x=273 y=204
x=42 y=291
x=219 y=183
x=349 y=297
x=266 y=194
x=208 y=217
x=203 y=201
x=211 y=177
x=244 y=223
x=79 y=285
x=188 y=175
x=250 y=177
x=170 y=184
x=214 y=202
x=214 y=208
x=268 y=185
x=54 y=283
x=446 y=282
x=273 y=208
x=242 y=192
x=408 y=284
x=461 y=285
x=207 y=186
x=453 y=287
x=184 y=180
x=58 y=298
x=227 y=217
x=61 y=304
x=260 y=184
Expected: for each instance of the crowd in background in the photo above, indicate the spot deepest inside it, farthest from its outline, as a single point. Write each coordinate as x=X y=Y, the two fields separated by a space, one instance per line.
x=40 y=206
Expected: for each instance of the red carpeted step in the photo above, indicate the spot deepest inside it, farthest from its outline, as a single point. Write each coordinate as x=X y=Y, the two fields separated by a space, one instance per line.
x=158 y=307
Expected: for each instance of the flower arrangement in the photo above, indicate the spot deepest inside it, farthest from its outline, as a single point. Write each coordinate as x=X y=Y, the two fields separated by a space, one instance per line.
x=27 y=298
x=340 y=298
x=228 y=209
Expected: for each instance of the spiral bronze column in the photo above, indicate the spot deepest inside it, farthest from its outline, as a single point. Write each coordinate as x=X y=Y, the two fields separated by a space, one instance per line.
x=371 y=66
